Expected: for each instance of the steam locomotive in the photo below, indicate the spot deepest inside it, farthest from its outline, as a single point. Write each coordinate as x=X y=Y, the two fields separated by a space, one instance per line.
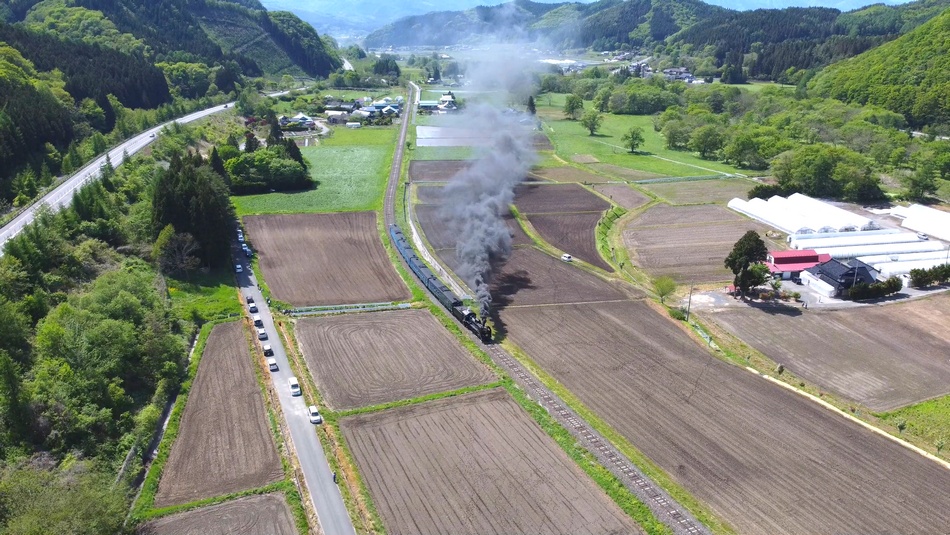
x=441 y=292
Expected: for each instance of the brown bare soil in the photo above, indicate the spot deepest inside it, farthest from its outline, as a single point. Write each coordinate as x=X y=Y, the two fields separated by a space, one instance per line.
x=666 y=215
x=325 y=259
x=224 y=444
x=251 y=515
x=623 y=195
x=762 y=457
x=531 y=277
x=435 y=170
x=584 y=158
x=894 y=356
x=688 y=243
x=540 y=141
x=571 y=233
x=702 y=191
x=369 y=359
x=568 y=174
x=545 y=199
x=441 y=237
x=475 y=464
x=623 y=172
x=429 y=194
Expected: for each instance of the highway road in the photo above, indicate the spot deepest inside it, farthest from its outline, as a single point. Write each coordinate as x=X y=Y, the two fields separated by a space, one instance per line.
x=63 y=194
x=324 y=493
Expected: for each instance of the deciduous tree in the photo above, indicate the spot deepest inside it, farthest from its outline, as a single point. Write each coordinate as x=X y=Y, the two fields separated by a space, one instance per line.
x=591 y=120
x=633 y=138
x=573 y=106
x=748 y=251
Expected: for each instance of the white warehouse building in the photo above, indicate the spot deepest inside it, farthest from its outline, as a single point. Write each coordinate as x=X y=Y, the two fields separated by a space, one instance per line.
x=855 y=251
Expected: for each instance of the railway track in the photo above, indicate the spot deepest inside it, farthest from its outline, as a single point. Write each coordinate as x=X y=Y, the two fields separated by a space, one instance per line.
x=666 y=510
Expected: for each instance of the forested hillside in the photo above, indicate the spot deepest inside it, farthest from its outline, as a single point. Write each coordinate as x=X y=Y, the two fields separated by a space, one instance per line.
x=77 y=76
x=910 y=75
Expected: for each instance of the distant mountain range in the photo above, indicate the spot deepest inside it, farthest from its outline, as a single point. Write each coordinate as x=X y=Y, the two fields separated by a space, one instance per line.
x=350 y=21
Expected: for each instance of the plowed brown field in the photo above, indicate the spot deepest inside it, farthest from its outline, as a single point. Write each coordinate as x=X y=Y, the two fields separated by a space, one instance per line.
x=571 y=233
x=251 y=515
x=368 y=359
x=688 y=243
x=894 y=355
x=623 y=195
x=474 y=464
x=441 y=237
x=702 y=191
x=765 y=459
x=325 y=259
x=531 y=277
x=567 y=174
x=224 y=444
x=435 y=170
x=554 y=198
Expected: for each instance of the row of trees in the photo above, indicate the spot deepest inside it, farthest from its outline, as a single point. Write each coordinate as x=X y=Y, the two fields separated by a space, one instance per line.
x=816 y=146
x=921 y=278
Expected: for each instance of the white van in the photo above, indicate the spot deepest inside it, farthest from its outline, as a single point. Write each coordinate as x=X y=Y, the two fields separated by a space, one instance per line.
x=272 y=364
x=567 y=258
x=294 y=386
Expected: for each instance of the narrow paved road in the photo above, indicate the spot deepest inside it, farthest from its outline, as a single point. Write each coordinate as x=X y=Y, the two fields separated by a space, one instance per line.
x=324 y=493
x=63 y=194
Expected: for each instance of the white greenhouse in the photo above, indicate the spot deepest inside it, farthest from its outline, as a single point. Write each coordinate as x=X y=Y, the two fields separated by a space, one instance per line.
x=891 y=269
x=800 y=214
x=925 y=219
x=843 y=239
x=821 y=235
x=884 y=258
x=855 y=251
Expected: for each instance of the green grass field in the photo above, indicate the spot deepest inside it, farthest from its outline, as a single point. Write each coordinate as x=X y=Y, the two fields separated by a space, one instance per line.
x=929 y=420
x=571 y=139
x=351 y=168
x=202 y=298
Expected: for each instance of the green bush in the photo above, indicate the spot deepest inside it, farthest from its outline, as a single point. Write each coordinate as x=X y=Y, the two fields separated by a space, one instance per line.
x=876 y=290
x=678 y=314
x=921 y=278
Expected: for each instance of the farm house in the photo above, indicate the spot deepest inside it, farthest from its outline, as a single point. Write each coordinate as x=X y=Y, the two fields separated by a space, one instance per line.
x=800 y=214
x=924 y=219
x=834 y=277
x=790 y=264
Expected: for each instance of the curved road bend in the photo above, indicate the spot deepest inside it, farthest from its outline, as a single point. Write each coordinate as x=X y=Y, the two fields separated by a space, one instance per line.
x=666 y=510
x=62 y=195
x=324 y=494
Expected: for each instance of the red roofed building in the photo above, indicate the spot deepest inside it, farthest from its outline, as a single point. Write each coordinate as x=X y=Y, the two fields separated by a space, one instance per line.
x=789 y=264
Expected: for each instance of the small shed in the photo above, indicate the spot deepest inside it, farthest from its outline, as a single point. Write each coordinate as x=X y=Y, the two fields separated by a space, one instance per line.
x=790 y=264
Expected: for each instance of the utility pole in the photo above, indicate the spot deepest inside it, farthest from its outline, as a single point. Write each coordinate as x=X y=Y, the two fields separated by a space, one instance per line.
x=689 y=302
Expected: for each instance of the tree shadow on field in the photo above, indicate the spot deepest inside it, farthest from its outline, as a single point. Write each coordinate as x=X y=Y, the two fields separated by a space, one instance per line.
x=776 y=308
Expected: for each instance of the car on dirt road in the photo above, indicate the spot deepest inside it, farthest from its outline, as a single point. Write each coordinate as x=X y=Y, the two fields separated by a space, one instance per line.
x=294 y=386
